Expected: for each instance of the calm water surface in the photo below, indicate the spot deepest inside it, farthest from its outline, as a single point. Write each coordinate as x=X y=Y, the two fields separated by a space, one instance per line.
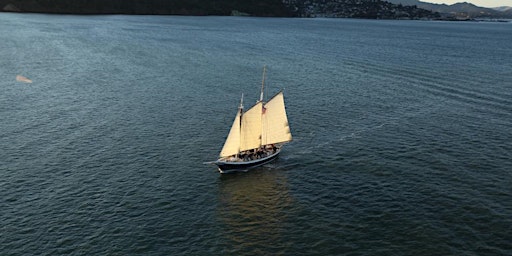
x=402 y=136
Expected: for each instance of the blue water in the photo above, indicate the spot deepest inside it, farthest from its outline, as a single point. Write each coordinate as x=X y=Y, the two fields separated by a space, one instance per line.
x=402 y=136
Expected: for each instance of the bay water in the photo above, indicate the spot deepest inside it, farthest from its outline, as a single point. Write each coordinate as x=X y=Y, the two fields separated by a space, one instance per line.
x=402 y=141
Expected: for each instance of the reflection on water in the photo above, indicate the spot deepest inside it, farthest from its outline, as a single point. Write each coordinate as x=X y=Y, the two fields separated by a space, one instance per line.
x=252 y=210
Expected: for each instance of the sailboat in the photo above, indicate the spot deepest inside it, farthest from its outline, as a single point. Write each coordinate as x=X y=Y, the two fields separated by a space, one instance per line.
x=257 y=134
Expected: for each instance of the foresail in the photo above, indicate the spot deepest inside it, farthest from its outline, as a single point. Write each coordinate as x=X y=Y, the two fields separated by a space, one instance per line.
x=275 y=123
x=232 y=144
x=251 y=128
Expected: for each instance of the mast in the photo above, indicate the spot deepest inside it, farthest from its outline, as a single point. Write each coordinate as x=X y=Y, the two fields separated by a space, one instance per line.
x=241 y=109
x=261 y=100
x=263 y=82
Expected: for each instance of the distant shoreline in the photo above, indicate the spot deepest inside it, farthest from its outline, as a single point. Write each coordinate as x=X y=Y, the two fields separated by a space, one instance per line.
x=375 y=9
x=292 y=17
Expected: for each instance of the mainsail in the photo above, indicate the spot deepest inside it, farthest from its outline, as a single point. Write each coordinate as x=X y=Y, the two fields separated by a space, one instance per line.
x=250 y=134
x=275 y=127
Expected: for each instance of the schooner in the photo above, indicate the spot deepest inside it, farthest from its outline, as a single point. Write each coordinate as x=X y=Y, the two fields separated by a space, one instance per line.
x=257 y=134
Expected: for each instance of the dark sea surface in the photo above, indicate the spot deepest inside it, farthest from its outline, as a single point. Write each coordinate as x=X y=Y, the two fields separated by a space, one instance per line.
x=402 y=136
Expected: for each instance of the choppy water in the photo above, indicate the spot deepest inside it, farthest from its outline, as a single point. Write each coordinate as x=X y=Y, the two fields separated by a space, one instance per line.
x=402 y=136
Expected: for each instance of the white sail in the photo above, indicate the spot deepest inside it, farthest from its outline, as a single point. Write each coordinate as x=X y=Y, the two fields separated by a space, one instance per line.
x=251 y=128
x=274 y=122
x=232 y=144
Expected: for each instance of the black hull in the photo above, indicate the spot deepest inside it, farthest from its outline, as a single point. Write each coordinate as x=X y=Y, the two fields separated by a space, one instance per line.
x=228 y=167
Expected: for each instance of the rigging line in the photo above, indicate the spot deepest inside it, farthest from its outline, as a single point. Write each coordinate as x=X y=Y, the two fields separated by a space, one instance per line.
x=241 y=110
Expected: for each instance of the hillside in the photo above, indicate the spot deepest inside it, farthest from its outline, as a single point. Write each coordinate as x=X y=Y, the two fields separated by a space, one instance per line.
x=370 y=9
x=274 y=8
x=458 y=10
x=503 y=8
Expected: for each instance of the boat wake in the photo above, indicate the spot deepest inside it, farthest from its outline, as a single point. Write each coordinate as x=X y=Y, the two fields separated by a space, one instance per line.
x=351 y=136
